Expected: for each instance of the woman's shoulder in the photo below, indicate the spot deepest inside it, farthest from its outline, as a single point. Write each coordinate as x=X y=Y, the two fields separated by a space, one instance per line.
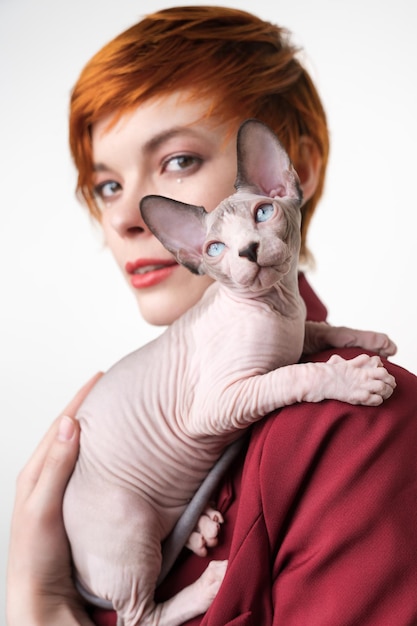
x=331 y=440
x=330 y=491
x=316 y=419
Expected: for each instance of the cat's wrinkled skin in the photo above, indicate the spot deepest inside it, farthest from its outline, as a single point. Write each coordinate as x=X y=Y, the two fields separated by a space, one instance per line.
x=155 y=424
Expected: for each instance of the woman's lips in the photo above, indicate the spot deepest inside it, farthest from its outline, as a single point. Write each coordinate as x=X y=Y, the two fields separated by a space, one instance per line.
x=149 y=272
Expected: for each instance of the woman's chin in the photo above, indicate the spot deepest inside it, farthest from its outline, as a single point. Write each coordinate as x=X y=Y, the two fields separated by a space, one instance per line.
x=162 y=305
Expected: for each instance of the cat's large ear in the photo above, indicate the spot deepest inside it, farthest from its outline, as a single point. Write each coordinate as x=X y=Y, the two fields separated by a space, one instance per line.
x=180 y=227
x=263 y=165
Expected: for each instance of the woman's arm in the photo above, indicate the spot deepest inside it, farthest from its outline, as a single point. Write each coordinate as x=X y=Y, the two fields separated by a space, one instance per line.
x=39 y=585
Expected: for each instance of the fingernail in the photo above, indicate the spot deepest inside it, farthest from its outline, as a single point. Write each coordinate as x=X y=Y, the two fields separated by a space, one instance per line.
x=66 y=428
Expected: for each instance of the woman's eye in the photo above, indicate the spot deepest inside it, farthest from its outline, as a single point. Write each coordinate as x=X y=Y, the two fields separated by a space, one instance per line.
x=182 y=163
x=264 y=212
x=215 y=248
x=106 y=190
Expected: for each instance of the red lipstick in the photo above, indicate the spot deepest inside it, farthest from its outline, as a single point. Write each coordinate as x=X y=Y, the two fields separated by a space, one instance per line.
x=149 y=272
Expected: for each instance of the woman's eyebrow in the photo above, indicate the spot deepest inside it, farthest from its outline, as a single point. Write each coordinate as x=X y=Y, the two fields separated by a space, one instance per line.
x=153 y=143
x=159 y=139
x=100 y=167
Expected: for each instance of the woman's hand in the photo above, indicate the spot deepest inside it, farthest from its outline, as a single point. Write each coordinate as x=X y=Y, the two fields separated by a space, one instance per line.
x=39 y=584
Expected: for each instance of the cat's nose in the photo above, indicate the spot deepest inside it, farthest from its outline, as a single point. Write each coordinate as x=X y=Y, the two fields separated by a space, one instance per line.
x=250 y=252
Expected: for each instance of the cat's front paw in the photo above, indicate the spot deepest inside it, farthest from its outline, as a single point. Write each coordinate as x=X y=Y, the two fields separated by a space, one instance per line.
x=380 y=343
x=206 y=532
x=362 y=380
x=343 y=337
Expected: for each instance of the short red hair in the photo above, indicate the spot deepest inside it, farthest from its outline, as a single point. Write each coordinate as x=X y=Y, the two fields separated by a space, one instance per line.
x=245 y=65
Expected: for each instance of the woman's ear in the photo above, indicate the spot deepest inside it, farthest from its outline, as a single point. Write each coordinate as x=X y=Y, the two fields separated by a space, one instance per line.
x=308 y=166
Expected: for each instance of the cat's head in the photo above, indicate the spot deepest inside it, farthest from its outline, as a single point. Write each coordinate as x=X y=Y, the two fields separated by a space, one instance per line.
x=252 y=238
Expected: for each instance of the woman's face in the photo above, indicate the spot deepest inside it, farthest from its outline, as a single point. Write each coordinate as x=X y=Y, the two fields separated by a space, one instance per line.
x=164 y=148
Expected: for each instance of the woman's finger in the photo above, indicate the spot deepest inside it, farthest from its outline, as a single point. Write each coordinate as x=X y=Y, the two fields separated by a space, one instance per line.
x=57 y=467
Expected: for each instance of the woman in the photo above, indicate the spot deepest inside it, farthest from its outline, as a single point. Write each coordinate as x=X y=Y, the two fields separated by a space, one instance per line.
x=320 y=506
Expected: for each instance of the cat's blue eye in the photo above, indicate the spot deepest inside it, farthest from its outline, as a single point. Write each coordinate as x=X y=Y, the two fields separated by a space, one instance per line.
x=264 y=212
x=215 y=248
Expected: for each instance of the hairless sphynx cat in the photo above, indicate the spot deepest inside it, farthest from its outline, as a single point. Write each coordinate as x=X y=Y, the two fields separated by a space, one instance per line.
x=158 y=420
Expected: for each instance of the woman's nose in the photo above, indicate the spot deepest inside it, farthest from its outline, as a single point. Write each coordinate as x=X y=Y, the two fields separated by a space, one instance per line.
x=126 y=218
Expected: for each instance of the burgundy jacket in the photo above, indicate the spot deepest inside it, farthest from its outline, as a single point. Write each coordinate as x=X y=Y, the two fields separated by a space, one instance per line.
x=320 y=516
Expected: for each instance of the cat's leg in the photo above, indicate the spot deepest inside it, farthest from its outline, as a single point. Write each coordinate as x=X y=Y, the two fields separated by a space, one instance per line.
x=362 y=380
x=188 y=603
x=319 y=336
x=117 y=550
x=206 y=532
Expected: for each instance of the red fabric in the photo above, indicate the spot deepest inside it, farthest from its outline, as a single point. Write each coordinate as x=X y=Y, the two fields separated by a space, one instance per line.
x=316 y=311
x=321 y=519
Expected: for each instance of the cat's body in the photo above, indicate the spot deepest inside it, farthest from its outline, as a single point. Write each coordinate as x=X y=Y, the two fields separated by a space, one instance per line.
x=157 y=421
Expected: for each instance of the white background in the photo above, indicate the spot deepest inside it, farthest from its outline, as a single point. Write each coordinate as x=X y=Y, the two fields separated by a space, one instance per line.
x=65 y=312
